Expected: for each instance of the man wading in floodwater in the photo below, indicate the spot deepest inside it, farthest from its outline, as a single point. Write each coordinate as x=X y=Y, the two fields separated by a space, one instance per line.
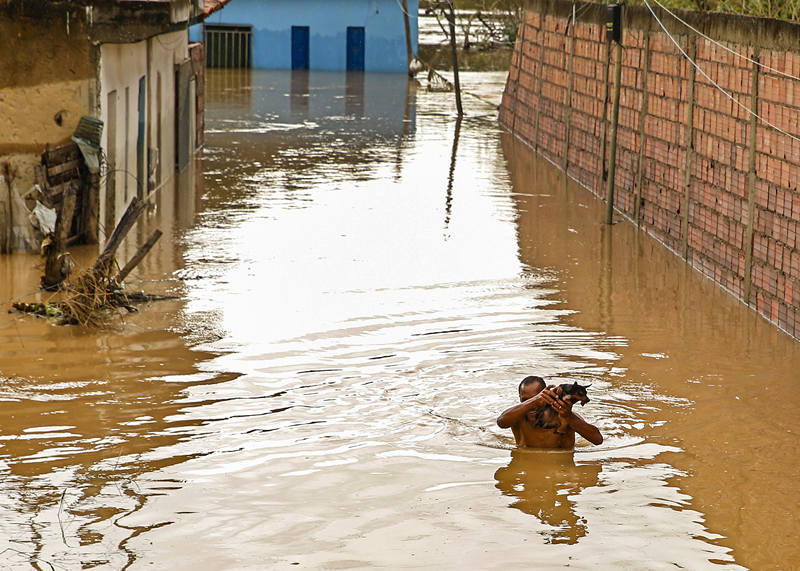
x=521 y=418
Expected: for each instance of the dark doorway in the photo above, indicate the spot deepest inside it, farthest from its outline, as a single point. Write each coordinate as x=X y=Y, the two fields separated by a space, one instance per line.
x=111 y=159
x=141 y=165
x=355 y=48
x=300 y=47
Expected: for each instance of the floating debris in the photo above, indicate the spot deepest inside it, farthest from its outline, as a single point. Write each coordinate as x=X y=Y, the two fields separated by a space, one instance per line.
x=89 y=298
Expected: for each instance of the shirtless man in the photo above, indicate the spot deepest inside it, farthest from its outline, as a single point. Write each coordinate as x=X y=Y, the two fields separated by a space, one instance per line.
x=534 y=395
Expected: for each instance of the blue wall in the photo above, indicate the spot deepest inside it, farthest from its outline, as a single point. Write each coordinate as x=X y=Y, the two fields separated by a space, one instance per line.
x=272 y=21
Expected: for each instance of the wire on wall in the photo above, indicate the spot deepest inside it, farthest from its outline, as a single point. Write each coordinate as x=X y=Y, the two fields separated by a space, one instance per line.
x=714 y=83
x=724 y=47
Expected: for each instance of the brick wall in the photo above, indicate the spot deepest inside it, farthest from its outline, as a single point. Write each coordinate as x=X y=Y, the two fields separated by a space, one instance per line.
x=728 y=203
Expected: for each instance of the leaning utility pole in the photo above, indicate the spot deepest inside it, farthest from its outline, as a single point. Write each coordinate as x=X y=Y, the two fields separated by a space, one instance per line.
x=449 y=12
x=456 y=82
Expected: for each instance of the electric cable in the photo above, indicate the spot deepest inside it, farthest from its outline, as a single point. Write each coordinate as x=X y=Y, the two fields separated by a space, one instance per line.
x=724 y=47
x=714 y=83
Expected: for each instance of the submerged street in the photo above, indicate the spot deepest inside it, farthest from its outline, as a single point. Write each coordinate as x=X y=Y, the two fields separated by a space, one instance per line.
x=362 y=281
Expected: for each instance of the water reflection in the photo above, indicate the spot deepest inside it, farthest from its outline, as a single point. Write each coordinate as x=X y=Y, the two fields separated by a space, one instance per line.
x=299 y=94
x=354 y=94
x=448 y=204
x=324 y=392
x=86 y=416
x=687 y=342
x=229 y=88
x=285 y=131
x=542 y=483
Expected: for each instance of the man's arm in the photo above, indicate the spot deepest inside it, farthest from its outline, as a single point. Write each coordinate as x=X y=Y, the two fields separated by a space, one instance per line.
x=588 y=431
x=511 y=416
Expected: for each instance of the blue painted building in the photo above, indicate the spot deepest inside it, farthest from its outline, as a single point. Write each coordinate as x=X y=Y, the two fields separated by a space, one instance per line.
x=362 y=35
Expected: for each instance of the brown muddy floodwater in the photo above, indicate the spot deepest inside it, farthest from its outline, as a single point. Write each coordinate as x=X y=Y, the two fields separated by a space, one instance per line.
x=360 y=293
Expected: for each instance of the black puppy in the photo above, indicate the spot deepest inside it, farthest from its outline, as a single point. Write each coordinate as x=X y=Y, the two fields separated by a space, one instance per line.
x=571 y=393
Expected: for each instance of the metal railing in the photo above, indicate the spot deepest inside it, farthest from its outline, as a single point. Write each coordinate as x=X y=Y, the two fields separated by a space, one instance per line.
x=228 y=46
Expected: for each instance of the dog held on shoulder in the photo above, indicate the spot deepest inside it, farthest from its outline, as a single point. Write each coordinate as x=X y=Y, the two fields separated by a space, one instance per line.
x=544 y=416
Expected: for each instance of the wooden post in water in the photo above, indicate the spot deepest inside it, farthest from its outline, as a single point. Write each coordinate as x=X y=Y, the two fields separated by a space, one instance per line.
x=54 y=270
x=751 y=186
x=140 y=254
x=92 y=212
x=612 y=154
x=451 y=18
x=129 y=218
x=687 y=175
x=637 y=196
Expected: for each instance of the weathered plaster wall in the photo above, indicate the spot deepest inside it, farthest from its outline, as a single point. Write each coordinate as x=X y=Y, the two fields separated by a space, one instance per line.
x=44 y=90
x=68 y=63
x=121 y=69
x=688 y=169
x=166 y=51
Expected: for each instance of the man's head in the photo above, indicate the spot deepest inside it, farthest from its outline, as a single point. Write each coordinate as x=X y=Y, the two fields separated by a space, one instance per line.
x=530 y=387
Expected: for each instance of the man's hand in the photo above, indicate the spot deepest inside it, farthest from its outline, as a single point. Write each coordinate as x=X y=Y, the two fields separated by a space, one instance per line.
x=511 y=416
x=563 y=407
x=549 y=396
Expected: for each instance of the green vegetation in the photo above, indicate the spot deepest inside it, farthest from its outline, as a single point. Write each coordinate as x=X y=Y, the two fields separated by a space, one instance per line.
x=487 y=29
x=483 y=24
x=781 y=9
x=440 y=56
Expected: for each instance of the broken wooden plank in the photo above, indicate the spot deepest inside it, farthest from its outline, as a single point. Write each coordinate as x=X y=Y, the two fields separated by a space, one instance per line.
x=62 y=168
x=92 y=213
x=39 y=177
x=132 y=213
x=53 y=268
x=141 y=253
x=54 y=193
x=61 y=154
